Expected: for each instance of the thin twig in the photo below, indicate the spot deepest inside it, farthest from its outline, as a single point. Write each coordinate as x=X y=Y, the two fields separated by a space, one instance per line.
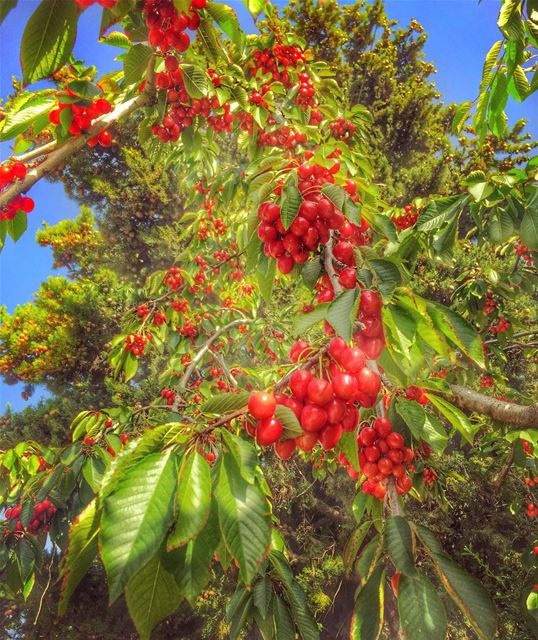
x=47 y=586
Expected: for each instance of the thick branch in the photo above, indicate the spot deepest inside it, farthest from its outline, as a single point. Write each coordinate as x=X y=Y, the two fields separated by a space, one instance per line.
x=515 y=414
x=38 y=151
x=73 y=145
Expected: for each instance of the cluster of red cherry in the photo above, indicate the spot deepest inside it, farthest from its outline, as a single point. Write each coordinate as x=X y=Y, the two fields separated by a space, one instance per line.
x=416 y=393
x=382 y=454
x=486 y=381
x=79 y=118
x=42 y=514
x=406 y=219
x=106 y=4
x=169 y=395
x=532 y=510
x=524 y=252
x=284 y=138
x=430 y=476
x=501 y=326
x=135 y=343
x=531 y=482
x=183 y=110
x=490 y=304
x=527 y=447
x=173 y=278
x=167 y=27
x=9 y=173
x=342 y=129
x=266 y=61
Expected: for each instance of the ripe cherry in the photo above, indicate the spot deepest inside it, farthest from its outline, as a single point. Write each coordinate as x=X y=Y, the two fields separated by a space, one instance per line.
x=352 y=359
x=369 y=382
x=336 y=347
x=285 y=449
x=268 y=431
x=299 y=381
x=261 y=404
x=351 y=419
x=307 y=441
x=371 y=453
x=330 y=436
x=348 y=278
x=382 y=427
x=285 y=263
x=344 y=385
x=385 y=466
x=370 y=303
x=336 y=409
x=367 y=436
x=319 y=391
x=395 y=440
x=300 y=350
x=313 y=418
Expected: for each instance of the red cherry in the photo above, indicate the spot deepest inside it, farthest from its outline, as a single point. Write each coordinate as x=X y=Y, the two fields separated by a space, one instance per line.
x=330 y=436
x=370 y=303
x=291 y=243
x=269 y=212
x=19 y=170
x=408 y=455
x=351 y=419
x=344 y=251
x=372 y=347
x=295 y=405
x=261 y=405
x=370 y=469
x=369 y=382
x=396 y=456
x=371 y=453
x=285 y=264
x=398 y=470
x=300 y=350
x=307 y=441
x=352 y=473
x=383 y=446
x=382 y=427
x=367 y=436
x=336 y=409
x=319 y=391
x=385 y=466
x=325 y=209
x=348 y=278
x=313 y=418
x=104 y=138
x=285 y=449
x=345 y=386
x=405 y=483
x=308 y=210
x=352 y=359
x=268 y=431
x=373 y=328
x=299 y=381
x=395 y=440
x=6 y=174
x=336 y=347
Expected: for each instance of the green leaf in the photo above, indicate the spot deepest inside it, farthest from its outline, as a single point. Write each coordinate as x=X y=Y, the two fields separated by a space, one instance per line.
x=529 y=228
x=16 y=123
x=339 y=314
x=193 y=499
x=421 y=611
x=354 y=544
x=439 y=211
x=18 y=225
x=284 y=629
x=206 y=35
x=466 y=591
x=266 y=278
x=460 y=116
x=130 y=366
x=388 y=275
x=5 y=7
x=81 y=551
x=254 y=6
x=227 y=20
x=195 y=81
x=295 y=596
x=289 y=421
x=290 y=201
x=136 y=518
x=368 y=612
x=243 y=518
x=304 y=321
x=244 y=454
x=348 y=445
x=48 y=39
x=224 y=403
x=135 y=63
x=262 y=593
x=399 y=541
x=458 y=331
x=310 y=272
x=456 y=417
x=434 y=433
x=191 y=563
x=117 y=39
x=152 y=595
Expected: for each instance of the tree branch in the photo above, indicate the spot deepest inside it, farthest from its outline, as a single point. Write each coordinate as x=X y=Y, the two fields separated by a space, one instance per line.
x=329 y=267
x=503 y=471
x=515 y=414
x=62 y=153
x=205 y=347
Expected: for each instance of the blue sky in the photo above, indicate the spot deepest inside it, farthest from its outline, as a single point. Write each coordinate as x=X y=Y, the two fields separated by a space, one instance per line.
x=460 y=34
